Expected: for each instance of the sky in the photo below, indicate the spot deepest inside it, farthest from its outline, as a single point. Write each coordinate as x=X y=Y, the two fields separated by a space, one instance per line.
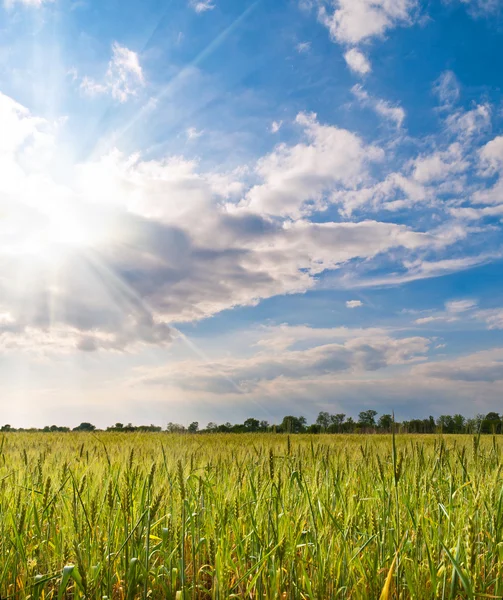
x=219 y=209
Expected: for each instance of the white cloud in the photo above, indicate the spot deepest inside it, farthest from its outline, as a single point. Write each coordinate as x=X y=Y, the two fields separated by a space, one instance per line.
x=491 y=156
x=193 y=133
x=447 y=88
x=33 y=3
x=354 y=21
x=491 y=163
x=366 y=351
x=468 y=123
x=455 y=310
x=481 y=7
x=297 y=179
x=357 y=61
x=460 y=306
x=428 y=320
x=389 y=112
x=396 y=114
x=439 y=165
x=162 y=241
x=354 y=303
x=484 y=367
x=396 y=192
x=276 y=126
x=123 y=79
x=201 y=6
x=303 y=47
x=492 y=317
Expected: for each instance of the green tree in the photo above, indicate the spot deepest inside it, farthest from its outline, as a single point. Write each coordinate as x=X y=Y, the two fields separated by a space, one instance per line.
x=193 y=427
x=336 y=422
x=293 y=424
x=84 y=427
x=366 y=418
x=323 y=420
x=491 y=423
x=251 y=425
x=385 y=422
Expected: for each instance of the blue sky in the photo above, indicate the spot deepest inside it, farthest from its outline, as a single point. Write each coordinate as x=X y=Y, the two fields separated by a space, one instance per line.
x=216 y=209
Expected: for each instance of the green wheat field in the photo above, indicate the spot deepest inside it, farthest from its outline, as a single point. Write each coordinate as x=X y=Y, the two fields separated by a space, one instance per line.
x=221 y=516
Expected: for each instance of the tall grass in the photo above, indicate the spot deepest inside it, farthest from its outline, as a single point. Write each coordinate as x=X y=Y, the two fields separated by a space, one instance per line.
x=249 y=516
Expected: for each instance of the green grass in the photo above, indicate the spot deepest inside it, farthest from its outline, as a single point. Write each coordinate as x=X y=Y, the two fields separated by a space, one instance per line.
x=250 y=516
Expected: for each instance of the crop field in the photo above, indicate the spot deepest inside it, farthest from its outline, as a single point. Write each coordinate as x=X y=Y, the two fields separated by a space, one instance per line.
x=250 y=516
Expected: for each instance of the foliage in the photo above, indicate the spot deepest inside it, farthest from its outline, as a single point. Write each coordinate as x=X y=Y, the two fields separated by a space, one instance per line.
x=325 y=423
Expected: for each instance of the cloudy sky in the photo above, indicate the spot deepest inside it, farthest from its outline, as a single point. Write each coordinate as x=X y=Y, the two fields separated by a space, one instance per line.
x=216 y=209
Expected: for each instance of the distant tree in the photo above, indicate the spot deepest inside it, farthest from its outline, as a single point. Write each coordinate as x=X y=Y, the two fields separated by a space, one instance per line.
x=251 y=425
x=336 y=422
x=491 y=423
x=264 y=425
x=445 y=423
x=323 y=420
x=174 y=428
x=6 y=428
x=349 y=425
x=459 y=423
x=211 y=427
x=84 y=427
x=119 y=426
x=366 y=418
x=293 y=424
x=385 y=422
x=193 y=427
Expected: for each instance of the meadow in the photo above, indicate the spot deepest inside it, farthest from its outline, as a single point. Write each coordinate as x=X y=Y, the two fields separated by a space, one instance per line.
x=124 y=516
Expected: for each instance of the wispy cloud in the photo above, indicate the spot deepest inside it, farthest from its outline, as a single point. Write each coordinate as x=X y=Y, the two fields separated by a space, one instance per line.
x=447 y=88
x=276 y=126
x=388 y=111
x=123 y=79
x=354 y=303
x=201 y=6
x=303 y=47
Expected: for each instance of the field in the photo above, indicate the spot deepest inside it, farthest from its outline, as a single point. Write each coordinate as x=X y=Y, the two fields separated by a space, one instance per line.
x=250 y=516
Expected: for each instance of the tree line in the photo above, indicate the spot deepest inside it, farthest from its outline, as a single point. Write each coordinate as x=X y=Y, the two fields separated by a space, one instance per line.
x=367 y=422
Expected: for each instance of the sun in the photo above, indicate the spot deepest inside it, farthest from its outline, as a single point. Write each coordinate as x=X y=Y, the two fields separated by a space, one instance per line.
x=54 y=230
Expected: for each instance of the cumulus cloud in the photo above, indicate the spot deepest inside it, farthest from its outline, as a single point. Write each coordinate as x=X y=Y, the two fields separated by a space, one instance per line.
x=162 y=241
x=396 y=192
x=491 y=163
x=297 y=179
x=357 y=61
x=124 y=76
x=468 y=123
x=354 y=21
x=439 y=165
